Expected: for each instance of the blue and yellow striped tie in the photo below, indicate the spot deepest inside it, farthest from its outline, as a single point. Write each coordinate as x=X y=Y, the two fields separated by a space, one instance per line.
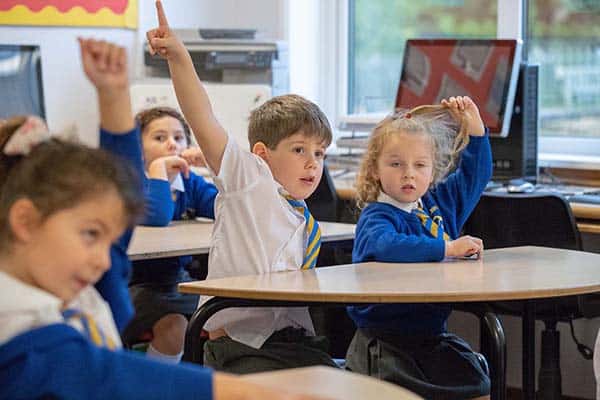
x=90 y=329
x=434 y=226
x=314 y=233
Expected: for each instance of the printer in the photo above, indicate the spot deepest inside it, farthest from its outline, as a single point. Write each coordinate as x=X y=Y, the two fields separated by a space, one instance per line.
x=227 y=60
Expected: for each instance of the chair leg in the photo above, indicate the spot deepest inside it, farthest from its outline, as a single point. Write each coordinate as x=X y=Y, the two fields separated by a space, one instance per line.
x=549 y=378
x=493 y=345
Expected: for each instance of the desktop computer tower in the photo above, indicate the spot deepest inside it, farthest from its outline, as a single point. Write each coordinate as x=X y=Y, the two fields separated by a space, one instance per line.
x=515 y=156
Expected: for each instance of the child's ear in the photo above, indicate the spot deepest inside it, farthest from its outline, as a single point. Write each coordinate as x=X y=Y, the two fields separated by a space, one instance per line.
x=261 y=150
x=23 y=219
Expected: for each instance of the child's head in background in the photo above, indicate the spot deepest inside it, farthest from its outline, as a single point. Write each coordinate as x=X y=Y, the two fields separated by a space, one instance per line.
x=408 y=153
x=291 y=134
x=62 y=205
x=164 y=133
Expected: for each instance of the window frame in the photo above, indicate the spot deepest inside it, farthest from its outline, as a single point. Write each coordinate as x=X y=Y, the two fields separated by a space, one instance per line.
x=335 y=85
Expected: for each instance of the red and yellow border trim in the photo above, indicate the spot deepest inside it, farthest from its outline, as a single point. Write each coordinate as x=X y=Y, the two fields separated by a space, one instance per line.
x=116 y=13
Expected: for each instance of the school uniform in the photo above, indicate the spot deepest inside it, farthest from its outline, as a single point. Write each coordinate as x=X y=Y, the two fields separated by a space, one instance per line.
x=24 y=307
x=57 y=361
x=47 y=353
x=153 y=285
x=257 y=231
x=408 y=343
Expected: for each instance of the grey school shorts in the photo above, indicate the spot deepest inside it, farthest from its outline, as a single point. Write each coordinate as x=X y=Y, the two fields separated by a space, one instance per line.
x=436 y=367
x=287 y=348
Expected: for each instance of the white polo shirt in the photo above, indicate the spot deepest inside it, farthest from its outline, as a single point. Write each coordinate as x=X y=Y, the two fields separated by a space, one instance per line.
x=24 y=307
x=256 y=232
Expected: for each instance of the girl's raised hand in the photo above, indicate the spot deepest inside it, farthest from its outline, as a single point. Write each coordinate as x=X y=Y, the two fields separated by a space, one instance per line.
x=465 y=109
x=105 y=64
x=162 y=40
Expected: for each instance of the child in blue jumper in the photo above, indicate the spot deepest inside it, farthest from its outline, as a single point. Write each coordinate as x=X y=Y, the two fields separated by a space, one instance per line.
x=414 y=213
x=172 y=192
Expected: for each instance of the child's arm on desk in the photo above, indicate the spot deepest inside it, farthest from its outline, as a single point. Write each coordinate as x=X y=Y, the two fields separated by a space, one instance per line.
x=191 y=95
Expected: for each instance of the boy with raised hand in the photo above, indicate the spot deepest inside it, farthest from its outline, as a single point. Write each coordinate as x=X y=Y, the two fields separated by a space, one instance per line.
x=262 y=224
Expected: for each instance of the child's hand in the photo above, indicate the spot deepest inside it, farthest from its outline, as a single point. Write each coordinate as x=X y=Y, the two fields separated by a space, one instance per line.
x=168 y=167
x=105 y=64
x=162 y=40
x=194 y=157
x=463 y=108
x=465 y=246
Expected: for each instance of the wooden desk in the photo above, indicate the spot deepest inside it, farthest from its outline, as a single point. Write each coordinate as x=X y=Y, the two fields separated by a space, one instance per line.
x=190 y=238
x=515 y=273
x=518 y=273
x=330 y=383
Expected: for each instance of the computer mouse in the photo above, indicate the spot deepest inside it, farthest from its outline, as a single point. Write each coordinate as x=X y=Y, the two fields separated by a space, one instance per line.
x=520 y=186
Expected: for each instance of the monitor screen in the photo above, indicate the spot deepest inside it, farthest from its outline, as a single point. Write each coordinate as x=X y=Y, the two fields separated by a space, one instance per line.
x=484 y=69
x=21 y=81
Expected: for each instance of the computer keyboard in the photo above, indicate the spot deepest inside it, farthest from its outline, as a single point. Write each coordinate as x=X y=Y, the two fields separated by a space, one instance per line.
x=574 y=194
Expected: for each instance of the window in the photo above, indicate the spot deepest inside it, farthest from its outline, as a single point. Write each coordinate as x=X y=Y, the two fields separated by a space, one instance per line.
x=377 y=33
x=564 y=39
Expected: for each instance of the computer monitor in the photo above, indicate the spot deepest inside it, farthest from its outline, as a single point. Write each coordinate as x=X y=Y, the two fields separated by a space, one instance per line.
x=21 y=81
x=484 y=69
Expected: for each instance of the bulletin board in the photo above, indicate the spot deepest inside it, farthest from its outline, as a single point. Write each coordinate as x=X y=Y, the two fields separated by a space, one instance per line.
x=105 y=13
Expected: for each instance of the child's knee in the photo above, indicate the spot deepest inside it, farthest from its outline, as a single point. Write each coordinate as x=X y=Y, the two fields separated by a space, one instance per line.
x=172 y=326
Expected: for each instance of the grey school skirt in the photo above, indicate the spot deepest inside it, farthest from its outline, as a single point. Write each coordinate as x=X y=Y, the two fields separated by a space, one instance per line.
x=440 y=367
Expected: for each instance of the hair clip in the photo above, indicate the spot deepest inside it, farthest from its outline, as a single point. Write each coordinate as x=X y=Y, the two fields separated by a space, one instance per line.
x=27 y=136
x=407 y=115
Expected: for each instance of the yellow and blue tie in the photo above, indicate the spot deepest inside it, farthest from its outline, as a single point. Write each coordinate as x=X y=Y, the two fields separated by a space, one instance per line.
x=434 y=224
x=90 y=329
x=314 y=233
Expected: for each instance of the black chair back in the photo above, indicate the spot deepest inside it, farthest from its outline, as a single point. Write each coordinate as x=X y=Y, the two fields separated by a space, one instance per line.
x=323 y=203
x=534 y=219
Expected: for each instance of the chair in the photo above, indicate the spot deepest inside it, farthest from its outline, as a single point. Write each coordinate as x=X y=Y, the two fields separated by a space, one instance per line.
x=323 y=203
x=537 y=219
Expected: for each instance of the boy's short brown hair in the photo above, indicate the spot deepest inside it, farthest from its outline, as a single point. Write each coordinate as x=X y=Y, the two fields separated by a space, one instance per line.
x=145 y=117
x=283 y=116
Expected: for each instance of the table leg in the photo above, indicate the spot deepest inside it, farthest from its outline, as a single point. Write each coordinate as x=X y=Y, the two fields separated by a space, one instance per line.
x=494 y=341
x=528 y=355
x=193 y=346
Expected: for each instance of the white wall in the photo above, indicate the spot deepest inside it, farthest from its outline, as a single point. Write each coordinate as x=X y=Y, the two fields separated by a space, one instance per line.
x=70 y=99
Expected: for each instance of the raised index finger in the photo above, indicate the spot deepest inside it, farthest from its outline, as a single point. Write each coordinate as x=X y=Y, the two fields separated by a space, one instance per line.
x=162 y=18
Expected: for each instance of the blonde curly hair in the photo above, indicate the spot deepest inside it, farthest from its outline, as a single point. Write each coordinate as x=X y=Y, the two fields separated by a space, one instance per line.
x=448 y=135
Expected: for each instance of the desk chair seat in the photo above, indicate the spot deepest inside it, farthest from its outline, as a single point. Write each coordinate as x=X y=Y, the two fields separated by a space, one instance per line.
x=538 y=219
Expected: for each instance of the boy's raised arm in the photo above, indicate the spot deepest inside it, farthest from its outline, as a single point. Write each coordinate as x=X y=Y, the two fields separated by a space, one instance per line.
x=191 y=95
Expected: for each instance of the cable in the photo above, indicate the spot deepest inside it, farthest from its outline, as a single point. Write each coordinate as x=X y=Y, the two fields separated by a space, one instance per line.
x=585 y=351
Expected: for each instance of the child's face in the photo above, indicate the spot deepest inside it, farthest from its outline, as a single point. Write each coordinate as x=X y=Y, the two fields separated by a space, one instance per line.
x=405 y=166
x=163 y=137
x=297 y=164
x=70 y=249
